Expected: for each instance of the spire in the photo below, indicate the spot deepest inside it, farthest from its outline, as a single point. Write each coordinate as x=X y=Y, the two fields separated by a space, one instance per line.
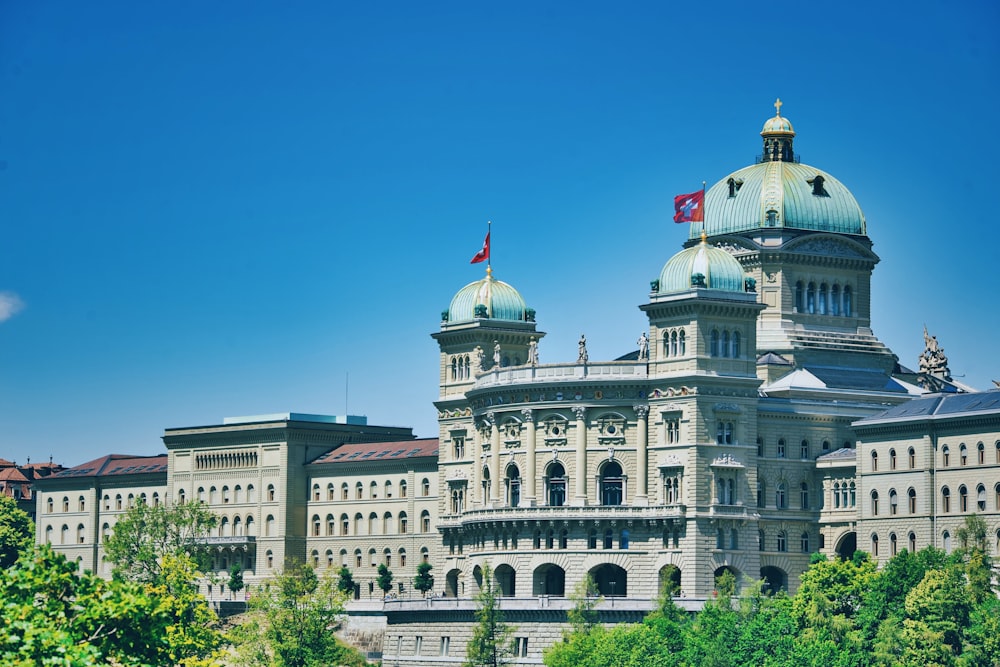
x=778 y=134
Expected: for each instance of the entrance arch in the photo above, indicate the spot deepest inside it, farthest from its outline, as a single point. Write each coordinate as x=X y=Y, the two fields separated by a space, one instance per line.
x=847 y=545
x=775 y=579
x=451 y=584
x=548 y=579
x=670 y=580
x=506 y=579
x=611 y=580
x=729 y=568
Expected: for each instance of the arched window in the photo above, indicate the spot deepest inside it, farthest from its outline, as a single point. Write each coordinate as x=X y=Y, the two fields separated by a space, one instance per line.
x=811 y=298
x=402 y=488
x=201 y=494
x=681 y=343
x=822 y=299
x=804 y=495
x=373 y=491
x=804 y=450
x=874 y=545
x=331 y=525
x=781 y=448
x=359 y=491
x=425 y=522
x=673 y=344
x=874 y=461
x=804 y=543
x=269 y=559
x=853 y=496
x=874 y=503
x=782 y=541
x=836 y=495
x=912 y=455
x=781 y=496
x=251 y=528
x=760 y=541
x=893 y=502
x=720 y=539
x=237 y=527
x=388 y=489
x=835 y=300
x=945 y=499
x=946 y=541
x=892 y=544
x=358 y=523
x=81 y=504
x=912 y=540
x=963 y=454
x=713 y=349
x=761 y=497
x=269 y=526
x=800 y=298
x=425 y=487
x=592 y=539
x=270 y=493
x=892 y=459
x=848 y=302
x=623 y=539
x=105 y=532
x=372 y=523
x=725 y=344
x=386 y=523
x=556 y=483
x=402 y=523
x=238 y=494
x=50 y=504
x=911 y=496
x=315 y=525
x=963 y=499
x=980 y=453
x=512 y=486
x=80 y=534
x=181 y=498
x=981 y=498
x=226 y=498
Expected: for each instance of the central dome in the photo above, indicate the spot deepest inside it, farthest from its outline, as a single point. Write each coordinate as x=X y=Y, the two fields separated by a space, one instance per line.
x=779 y=192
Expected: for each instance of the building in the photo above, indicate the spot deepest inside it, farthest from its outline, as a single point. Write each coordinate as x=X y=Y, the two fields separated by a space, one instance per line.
x=759 y=422
x=17 y=481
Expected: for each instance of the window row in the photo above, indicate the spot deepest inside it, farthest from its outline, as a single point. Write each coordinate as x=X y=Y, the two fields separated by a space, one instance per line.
x=963 y=498
x=781 y=542
x=782 y=450
x=236 y=495
x=65 y=536
x=461 y=367
x=724 y=344
x=611 y=485
x=822 y=299
x=963 y=454
x=674 y=343
x=844 y=495
x=911 y=459
x=373 y=560
x=781 y=495
x=911 y=501
x=911 y=541
x=373 y=490
x=359 y=526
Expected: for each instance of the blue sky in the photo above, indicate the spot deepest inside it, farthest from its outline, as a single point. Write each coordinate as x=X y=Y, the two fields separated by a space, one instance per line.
x=227 y=208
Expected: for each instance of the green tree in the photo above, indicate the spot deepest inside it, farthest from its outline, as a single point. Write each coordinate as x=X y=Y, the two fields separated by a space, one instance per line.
x=290 y=623
x=584 y=615
x=974 y=553
x=424 y=581
x=345 y=581
x=17 y=532
x=492 y=644
x=147 y=533
x=235 y=582
x=52 y=615
x=384 y=579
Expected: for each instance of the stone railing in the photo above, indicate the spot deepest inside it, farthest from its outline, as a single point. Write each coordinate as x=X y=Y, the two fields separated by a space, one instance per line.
x=600 y=371
x=565 y=513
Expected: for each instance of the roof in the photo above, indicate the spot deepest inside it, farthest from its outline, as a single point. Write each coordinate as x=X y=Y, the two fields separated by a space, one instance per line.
x=838 y=454
x=116 y=464
x=4 y=463
x=939 y=406
x=774 y=359
x=831 y=377
x=12 y=475
x=501 y=302
x=380 y=451
x=718 y=269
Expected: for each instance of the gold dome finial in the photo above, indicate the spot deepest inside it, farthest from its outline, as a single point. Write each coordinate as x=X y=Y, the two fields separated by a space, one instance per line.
x=704 y=236
x=777 y=106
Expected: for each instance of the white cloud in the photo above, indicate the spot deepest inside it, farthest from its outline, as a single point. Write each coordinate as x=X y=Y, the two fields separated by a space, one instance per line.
x=10 y=305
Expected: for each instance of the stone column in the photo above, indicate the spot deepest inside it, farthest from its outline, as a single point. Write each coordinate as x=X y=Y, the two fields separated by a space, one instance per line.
x=580 y=497
x=529 y=484
x=475 y=449
x=642 y=455
x=494 y=498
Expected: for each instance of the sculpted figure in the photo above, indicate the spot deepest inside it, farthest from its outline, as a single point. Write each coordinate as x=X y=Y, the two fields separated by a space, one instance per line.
x=533 y=353
x=582 y=357
x=643 y=346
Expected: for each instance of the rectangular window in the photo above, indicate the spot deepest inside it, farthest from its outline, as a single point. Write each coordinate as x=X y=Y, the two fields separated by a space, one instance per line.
x=418 y=645
x=445 y=645
x=521 y=647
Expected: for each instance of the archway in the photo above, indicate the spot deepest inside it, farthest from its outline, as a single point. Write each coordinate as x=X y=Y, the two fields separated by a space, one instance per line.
x=548 y=579
x=670 y=580
x=611 y=484
x=451 y=584
x=506 y=580
x=846 y=546
x=477 y=575
x=774 y=579
x=730 y=569
x=611 y=580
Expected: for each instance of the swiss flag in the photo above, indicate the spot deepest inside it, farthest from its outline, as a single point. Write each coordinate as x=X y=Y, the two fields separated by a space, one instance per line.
x=690 y=208
x=483 y=254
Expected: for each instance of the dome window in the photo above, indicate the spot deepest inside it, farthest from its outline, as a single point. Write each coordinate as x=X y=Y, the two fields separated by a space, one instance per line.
x=772 y=218
x=817 y=185
x=734 y=186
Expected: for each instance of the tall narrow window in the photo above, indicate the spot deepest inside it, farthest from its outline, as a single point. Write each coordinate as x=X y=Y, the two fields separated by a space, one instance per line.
x=893 y=502
x=848 y=302
x=874 y=461
x=811 y=298
x=714 y=343
x=736 y=345
x=725 y=344
x=800 y=298
x=911 y=500
x=874 y=503
x=682 y=345
x=835 y=300
x=946 y=499
x=912 y=456
x=821 y=305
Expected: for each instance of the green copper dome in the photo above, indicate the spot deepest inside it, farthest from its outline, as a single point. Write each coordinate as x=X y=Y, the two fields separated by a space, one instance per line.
x=494 y=299
x=779 y=192
x=719 y=269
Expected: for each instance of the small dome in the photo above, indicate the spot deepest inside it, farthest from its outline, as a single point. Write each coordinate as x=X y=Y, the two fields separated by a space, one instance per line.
x=719 y=269
x=499 y=301
x=777 y=125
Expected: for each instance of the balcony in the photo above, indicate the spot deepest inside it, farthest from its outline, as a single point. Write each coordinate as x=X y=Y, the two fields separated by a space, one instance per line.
x=232 y=541
x=563 y=513
x=599 y=371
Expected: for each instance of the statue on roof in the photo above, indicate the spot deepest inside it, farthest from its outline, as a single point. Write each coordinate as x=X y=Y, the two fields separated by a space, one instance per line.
x=496 y=354
x=533 y=352
x=933 y=360
x=582 y=357
x=643 y=347
x=477 y=360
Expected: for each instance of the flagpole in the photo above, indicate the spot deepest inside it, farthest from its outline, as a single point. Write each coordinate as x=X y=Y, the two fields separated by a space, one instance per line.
x=489 y=254
x=704 y=207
